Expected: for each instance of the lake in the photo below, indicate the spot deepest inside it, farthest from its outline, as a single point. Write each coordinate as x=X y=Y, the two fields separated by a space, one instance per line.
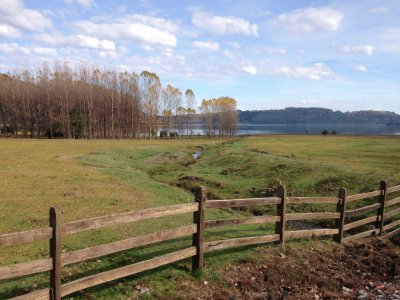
x=368 y=129
x=361 y=129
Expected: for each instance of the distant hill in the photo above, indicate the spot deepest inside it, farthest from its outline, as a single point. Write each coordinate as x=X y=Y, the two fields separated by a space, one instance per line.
x=314 y=115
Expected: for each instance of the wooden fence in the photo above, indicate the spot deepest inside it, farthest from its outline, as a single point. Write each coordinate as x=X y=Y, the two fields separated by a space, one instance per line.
x=340 y=217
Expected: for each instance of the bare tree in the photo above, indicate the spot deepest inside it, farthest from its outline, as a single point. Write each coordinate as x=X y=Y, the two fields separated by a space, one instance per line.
x=220 y=116
x=150 y=88
x=88 y=102
x=190 y=110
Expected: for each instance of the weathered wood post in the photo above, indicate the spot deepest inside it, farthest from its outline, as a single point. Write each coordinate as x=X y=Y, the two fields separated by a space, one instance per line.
x=198 y=237
x=55 y=253
x=381 y=210
x=280 y=227
x=341 y=208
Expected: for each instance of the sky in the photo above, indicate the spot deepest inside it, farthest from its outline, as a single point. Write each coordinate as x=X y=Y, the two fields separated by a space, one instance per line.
x=343 y=55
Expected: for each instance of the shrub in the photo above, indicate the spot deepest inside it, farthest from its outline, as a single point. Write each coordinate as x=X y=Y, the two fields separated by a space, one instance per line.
x=77 y=122
x=163 y=134
x=55 y=132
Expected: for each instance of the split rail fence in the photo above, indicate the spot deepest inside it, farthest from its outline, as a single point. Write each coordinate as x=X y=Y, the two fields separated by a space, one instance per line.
x=340 y=217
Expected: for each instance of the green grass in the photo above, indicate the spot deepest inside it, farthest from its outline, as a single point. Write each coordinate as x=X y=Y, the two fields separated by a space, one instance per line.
x=92 y=178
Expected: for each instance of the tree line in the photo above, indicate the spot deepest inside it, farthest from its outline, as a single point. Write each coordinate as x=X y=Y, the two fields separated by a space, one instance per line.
x=219 y=116
x=59 y=101
x=315 y=115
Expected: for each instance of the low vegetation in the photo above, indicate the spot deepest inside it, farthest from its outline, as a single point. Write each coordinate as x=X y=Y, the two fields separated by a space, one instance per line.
x=91 y=178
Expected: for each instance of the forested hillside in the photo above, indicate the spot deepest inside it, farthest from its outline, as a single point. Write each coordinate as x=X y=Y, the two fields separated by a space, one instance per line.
x=292 y=115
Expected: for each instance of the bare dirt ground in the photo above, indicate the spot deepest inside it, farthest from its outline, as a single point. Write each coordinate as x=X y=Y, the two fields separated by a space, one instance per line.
x=368 y=269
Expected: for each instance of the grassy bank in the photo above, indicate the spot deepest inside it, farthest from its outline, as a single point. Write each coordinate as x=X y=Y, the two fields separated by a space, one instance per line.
x=92 y=178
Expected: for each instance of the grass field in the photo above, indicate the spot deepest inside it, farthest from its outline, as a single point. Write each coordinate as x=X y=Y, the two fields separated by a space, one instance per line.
x=92 y=178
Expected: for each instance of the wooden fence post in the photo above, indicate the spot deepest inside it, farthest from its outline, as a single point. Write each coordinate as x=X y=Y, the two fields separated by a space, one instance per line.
x=381 y=210
x=55 y=253
x=280 y=227
x=341 y=208
x=198 y=237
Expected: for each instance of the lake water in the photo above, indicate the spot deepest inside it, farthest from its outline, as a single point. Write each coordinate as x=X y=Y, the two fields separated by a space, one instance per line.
x=368 y=129
x=363 y=129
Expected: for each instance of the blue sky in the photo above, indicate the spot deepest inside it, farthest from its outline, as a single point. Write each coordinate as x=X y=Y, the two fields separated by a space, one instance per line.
x=343 y=55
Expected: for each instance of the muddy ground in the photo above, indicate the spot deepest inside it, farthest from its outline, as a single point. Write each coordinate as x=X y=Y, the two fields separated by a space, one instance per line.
x=368 y=269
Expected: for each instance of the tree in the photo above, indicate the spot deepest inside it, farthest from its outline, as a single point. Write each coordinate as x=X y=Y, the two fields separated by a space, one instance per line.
x=150 y=87
x=190 y=104
x=207 y=114
x=87 y=102
x=43 y=81
x=177 y=104
x=134 y=97
x=77 y=122
x=180 y=115
x=171 y=97
x=219 y=115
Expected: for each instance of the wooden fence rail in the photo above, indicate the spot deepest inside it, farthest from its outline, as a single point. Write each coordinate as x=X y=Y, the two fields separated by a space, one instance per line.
x=344 y=223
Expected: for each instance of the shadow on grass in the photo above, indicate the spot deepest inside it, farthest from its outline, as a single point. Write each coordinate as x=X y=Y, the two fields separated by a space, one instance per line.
x=176 y=271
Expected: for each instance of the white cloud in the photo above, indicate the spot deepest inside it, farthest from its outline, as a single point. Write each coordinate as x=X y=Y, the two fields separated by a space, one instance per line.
x=229 y=54
x=85 y=3
x=363 y=49
x=79 y=40
x=315 y=72
x=311 y=19
x=13 y=48
x=44 y=51
x=250 y=69
x=8 y=32
x=53 y=39
x=164 y=63
x=213 y=46
x=159 y=23
x=92 y=42
x=223 y=25
x=106 y=54
x=128 y=31
x=361 y=68
x=14 y=14
x=147 y=48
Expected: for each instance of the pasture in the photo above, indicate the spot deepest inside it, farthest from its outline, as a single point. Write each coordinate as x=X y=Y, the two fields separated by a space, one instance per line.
x=93 y=178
